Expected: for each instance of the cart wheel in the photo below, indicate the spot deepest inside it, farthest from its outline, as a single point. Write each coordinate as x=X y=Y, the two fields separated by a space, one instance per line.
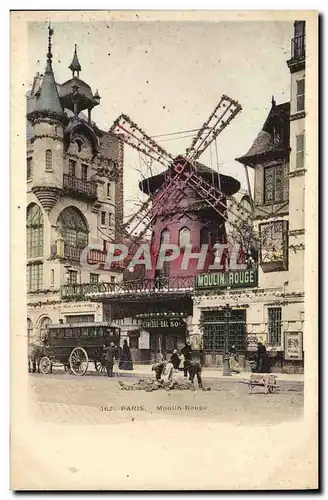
x=100 y=366
x=45 y=365
x=78 y=361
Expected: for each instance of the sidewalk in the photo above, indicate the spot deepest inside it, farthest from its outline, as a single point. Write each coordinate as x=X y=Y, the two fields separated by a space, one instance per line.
x=142 y=370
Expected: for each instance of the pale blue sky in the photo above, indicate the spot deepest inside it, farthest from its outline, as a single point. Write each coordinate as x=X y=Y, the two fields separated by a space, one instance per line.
x=169 y=76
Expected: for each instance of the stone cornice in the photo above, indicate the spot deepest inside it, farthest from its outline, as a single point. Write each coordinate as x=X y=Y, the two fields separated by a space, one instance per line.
x=46 y=136
x=297 y=116
x=296 y=64
x=296 y=232
x=297 y=173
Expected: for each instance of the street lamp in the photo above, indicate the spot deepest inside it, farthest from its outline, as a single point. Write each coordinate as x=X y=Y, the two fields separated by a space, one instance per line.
x=227 y=316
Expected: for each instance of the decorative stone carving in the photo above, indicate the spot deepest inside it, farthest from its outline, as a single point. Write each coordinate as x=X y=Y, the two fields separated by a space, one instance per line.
x=47 y=196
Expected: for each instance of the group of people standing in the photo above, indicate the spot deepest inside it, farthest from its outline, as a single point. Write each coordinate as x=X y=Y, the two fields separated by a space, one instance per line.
x=117 y=355
x=189 y=361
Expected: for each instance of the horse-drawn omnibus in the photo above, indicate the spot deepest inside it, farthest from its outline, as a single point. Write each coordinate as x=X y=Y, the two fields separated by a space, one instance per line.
x=75 y=345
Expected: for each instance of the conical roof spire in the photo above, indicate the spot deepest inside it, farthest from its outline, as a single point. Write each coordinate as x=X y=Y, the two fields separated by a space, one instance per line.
x=75 y=65
x=49 y=99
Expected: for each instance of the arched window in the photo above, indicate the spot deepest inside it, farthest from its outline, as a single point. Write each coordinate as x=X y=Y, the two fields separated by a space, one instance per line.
x=34 y=231
x=29 y=329
x=184 y=237
x=73 y=228
x=43 y=327
x=48 y=159
x=165 y=236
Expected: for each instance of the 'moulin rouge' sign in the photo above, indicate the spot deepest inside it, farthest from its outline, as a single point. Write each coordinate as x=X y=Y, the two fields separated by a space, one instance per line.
x=242 y=278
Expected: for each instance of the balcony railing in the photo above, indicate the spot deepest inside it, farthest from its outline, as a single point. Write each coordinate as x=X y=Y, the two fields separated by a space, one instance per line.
x=169 y=285
x=79 y=187
x=298 y=47
x=72 y=252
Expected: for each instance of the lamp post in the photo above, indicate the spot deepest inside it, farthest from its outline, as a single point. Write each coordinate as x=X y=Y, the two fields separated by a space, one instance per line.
x=227 y=316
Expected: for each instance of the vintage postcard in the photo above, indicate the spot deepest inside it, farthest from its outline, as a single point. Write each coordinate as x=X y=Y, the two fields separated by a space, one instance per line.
x=164 y=212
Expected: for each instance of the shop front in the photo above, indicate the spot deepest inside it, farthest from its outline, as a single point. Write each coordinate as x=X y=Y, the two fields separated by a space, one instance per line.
x=165 y=335
x=223 y=329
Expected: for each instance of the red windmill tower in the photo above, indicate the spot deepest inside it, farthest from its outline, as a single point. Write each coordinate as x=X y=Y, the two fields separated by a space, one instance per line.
x=187 y=202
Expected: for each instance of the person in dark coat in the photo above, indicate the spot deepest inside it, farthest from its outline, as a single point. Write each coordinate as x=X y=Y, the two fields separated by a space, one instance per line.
x=195 y=369
x=125 y=357
x=262 y=359
x=186 y=351
x=110 y=354
x=175 y=360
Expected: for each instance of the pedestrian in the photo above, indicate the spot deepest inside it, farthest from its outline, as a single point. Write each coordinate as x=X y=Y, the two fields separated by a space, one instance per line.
x=175 y=360
x=262 y=359
x=195 y=369
x=110 y=355
x=186 y=351
x=233 y=360
x=125 y=357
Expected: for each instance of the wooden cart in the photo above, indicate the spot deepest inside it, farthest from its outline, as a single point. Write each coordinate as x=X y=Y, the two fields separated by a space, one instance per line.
x=76 y=345
x=268 y=381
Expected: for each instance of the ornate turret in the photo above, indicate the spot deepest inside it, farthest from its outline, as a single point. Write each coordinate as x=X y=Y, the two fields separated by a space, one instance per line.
x=48 y=103
x=75 y=94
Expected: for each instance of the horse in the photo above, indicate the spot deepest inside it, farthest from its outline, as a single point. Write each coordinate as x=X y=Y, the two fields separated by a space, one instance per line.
x=36 y=351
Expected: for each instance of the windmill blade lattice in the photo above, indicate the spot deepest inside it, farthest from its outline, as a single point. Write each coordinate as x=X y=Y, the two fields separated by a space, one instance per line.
x=129 y=132
x=222 y=115
x=183 y=171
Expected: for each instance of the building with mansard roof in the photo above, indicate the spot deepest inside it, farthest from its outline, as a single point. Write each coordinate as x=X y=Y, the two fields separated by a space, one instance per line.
x=74 y=197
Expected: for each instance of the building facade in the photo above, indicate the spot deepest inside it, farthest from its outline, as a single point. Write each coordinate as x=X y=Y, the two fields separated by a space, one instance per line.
x=261 y=302
x=272 y=309
x=74 y=197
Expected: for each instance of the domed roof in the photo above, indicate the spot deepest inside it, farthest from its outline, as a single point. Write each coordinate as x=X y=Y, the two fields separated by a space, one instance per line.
x=75 y=93
x=73 y=85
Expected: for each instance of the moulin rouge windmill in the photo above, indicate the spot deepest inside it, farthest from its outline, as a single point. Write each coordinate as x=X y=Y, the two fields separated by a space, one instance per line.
x=183 y=174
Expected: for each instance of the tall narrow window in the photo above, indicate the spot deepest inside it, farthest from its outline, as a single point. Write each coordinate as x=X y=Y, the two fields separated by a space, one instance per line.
x=34 y=277
x=52 y=276
x=165 y=236
x=184 y=237
x=110 y=219
x=103 y=218
x=28 y=169
x=300 y=95
x=71 y=168
x=34 y=231
x=48 y=159
x=94 y=278
x=84 y=174
x=300 y=139
x=72 y=277
x=274 y=325
x=109 y=194
x=273 y=184
x=113 y=279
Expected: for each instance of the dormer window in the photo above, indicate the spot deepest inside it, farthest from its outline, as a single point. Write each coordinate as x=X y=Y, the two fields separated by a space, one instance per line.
x=48 y=159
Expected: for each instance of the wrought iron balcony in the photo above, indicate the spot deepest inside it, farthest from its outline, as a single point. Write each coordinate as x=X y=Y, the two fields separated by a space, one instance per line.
x=179 y=284
x=72 y=252
x=79 y=188
x=298 y=47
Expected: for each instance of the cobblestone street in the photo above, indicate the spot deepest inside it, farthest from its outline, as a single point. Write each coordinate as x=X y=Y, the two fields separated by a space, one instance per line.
x=95 y=399
x=224 y=438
